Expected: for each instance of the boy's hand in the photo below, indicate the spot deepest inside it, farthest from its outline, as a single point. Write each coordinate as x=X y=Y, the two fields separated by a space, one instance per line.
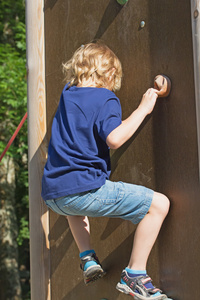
x=149 y=100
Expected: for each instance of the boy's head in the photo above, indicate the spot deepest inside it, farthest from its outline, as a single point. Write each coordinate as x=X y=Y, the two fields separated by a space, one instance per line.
x=96 y=62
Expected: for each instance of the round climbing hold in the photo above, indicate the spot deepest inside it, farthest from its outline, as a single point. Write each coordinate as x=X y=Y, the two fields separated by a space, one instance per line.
x=122 y=2
x=163 y=84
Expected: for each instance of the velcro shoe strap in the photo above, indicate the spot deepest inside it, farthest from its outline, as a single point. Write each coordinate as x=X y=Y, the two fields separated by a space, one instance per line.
x=87 y=258
x=154 y=291
x=146 y=280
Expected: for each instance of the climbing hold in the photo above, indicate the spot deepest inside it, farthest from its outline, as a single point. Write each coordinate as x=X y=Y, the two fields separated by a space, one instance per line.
x=163 y=84
x=122 y=2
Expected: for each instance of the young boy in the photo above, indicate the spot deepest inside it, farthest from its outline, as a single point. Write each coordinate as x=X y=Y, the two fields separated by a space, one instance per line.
x=76 y=176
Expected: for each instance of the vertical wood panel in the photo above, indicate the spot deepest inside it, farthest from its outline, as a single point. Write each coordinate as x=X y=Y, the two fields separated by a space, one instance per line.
x=163 y=156
x=39 y=215
x=195 y=17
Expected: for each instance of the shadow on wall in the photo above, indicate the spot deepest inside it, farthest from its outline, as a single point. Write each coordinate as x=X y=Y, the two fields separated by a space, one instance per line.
x=61 y=242
x=49 y=4
x=109 y=15
x=115 y=157
x=105 y=286
x=64 y=240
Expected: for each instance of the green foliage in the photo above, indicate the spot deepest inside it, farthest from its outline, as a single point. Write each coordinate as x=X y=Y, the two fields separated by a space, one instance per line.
x=13 y=103
x=11 y=13
x=23 y=231
x=12 y=87
x=12 y=81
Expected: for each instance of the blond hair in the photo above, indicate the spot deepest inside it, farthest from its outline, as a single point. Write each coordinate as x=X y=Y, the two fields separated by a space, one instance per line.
x=97 y=61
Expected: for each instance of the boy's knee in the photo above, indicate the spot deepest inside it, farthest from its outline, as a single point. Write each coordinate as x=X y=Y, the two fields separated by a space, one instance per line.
x=160 y=204
x=166 y=204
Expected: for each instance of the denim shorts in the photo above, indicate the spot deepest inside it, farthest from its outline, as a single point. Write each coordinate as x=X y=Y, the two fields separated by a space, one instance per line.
x=113 y=199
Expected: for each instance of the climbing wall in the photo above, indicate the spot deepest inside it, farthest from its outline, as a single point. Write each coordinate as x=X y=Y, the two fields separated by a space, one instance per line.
x=149 y=37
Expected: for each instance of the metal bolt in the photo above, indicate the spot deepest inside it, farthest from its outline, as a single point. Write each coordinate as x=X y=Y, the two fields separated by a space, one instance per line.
x=142 y=24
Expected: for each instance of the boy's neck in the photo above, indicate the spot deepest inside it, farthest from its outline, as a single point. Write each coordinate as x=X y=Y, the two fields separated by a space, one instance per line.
x=89 y=83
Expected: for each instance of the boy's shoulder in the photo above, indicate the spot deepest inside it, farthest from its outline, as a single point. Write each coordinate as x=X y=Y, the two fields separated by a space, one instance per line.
x=102 y=94
x=101 y=91
x=108 y=93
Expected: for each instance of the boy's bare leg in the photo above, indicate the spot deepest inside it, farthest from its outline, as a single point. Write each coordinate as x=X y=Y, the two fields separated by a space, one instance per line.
x=147 y=232
x=145 y=235
x=80 y=228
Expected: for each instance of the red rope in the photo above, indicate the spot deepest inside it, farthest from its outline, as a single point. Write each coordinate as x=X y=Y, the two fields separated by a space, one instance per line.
x=14 y=136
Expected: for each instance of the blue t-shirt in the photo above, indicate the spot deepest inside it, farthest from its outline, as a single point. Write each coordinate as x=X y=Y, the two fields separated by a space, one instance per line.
x=78 y=156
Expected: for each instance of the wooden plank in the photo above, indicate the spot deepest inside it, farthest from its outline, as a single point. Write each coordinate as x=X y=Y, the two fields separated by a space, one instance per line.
x=164 y=153
x=39 y=215
x=195 y=18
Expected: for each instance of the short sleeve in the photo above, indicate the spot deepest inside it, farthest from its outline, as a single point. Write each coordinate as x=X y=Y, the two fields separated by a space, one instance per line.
x=109 y=117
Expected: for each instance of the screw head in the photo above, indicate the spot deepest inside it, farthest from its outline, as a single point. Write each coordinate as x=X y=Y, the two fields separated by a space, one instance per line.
x=142 y=24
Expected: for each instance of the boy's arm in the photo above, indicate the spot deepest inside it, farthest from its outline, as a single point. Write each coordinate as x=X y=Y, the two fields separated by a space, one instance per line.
x=129 y=126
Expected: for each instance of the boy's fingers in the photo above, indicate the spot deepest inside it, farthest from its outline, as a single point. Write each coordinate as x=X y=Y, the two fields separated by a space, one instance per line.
x=152 y=92
x=155 y=90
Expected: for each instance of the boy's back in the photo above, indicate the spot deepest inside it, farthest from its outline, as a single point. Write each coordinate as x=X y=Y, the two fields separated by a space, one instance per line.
x=78 y=157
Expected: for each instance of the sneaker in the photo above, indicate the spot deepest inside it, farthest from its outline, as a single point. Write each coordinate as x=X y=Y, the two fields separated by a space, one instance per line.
x=94 y=271
x=135 y=286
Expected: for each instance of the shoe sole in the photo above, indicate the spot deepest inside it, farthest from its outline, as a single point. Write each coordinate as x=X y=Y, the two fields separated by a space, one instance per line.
x=126 y=290
x=93 y=273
